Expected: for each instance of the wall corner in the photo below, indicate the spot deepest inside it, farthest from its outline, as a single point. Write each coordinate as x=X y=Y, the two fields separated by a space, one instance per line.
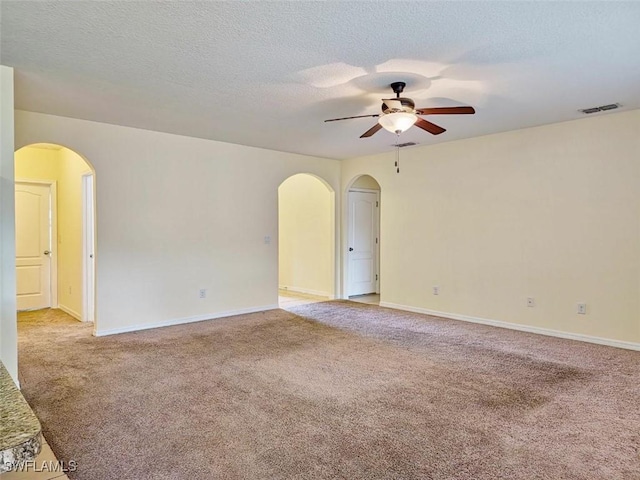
x=8 y=321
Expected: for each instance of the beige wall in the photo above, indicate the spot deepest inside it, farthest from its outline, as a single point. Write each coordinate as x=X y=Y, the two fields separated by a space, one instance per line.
x=66 y=168
x=551 y=212
x=306 y=235
x=72 y=168
x=8 y=330
x=366 y=182
x=177 y=214
x=37 y=163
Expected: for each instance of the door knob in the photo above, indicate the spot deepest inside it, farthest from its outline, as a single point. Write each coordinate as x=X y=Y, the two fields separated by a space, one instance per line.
x=47 y=252
x=351 y=249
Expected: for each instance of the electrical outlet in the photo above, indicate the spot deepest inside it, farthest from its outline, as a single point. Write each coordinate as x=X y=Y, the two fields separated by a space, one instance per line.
x=202 y=293
x=436 y=290
x=531 y=302
x=582 y=308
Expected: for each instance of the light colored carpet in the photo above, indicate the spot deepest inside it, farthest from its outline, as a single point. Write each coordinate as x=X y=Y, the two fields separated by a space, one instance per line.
x=334 y=390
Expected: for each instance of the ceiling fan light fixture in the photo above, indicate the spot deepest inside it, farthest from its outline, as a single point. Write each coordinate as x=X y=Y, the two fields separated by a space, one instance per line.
x=397 y=122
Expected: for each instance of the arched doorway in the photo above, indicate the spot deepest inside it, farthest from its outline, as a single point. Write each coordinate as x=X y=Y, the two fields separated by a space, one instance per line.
x=55 y=231
x=362 y=257
x=306 y=240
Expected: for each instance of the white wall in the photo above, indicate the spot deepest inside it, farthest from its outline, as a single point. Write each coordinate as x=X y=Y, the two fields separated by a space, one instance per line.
x=66 y=168
x=8 y=330
x=176 y=214
x=306 y=235
x=551 y=212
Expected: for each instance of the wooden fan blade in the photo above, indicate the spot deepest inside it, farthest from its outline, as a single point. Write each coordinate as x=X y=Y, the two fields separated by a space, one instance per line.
x=446 y=111
x=429 y=127
x=348 y=118
x=371 y=131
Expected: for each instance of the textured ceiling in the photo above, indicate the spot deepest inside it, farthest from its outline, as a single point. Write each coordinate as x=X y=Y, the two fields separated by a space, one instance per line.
x=267 y=74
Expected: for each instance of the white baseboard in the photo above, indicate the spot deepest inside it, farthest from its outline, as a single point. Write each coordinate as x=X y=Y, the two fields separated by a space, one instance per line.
x=515 y=326
x=181 y=321
x=308 y=291
x=70 y=311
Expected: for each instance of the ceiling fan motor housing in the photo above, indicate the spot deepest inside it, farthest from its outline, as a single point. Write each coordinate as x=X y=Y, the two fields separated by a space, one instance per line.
x=407 y=105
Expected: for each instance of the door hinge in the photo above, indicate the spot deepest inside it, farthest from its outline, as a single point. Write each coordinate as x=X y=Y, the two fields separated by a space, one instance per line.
x=376 y=239
x=376 y=204
x=376 y=276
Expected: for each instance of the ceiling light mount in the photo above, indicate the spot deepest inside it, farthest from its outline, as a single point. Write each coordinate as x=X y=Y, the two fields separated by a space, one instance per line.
x=398 y=88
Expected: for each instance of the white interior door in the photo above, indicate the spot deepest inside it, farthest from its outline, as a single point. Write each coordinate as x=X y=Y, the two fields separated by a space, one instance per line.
x=362 y=242
x=88 y=223
x=33 y=246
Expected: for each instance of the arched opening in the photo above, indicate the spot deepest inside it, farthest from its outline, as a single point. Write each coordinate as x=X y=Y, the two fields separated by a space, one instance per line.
x=362 y=257
x=55 y=233
x=306 y=240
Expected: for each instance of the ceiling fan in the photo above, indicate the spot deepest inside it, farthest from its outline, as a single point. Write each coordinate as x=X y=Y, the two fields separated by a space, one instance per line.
x=400 y=113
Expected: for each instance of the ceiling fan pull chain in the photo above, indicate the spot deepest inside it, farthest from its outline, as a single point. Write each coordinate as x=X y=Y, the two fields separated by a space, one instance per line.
x=397 y=153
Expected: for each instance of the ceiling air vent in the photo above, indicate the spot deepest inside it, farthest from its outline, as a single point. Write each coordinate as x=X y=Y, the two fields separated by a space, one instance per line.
x=602 y=108
x=402 y=145
x=612 y=106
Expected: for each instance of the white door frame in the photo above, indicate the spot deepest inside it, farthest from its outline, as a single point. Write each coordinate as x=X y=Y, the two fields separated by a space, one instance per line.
x=53 y=232
x=377 y=254
x=88 y=248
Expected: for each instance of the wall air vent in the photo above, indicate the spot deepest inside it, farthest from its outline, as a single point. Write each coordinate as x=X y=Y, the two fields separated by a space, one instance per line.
x=602 y=108
x=402 y=145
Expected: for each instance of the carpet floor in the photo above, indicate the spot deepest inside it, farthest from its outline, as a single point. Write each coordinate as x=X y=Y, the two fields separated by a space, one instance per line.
x=331 y=390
